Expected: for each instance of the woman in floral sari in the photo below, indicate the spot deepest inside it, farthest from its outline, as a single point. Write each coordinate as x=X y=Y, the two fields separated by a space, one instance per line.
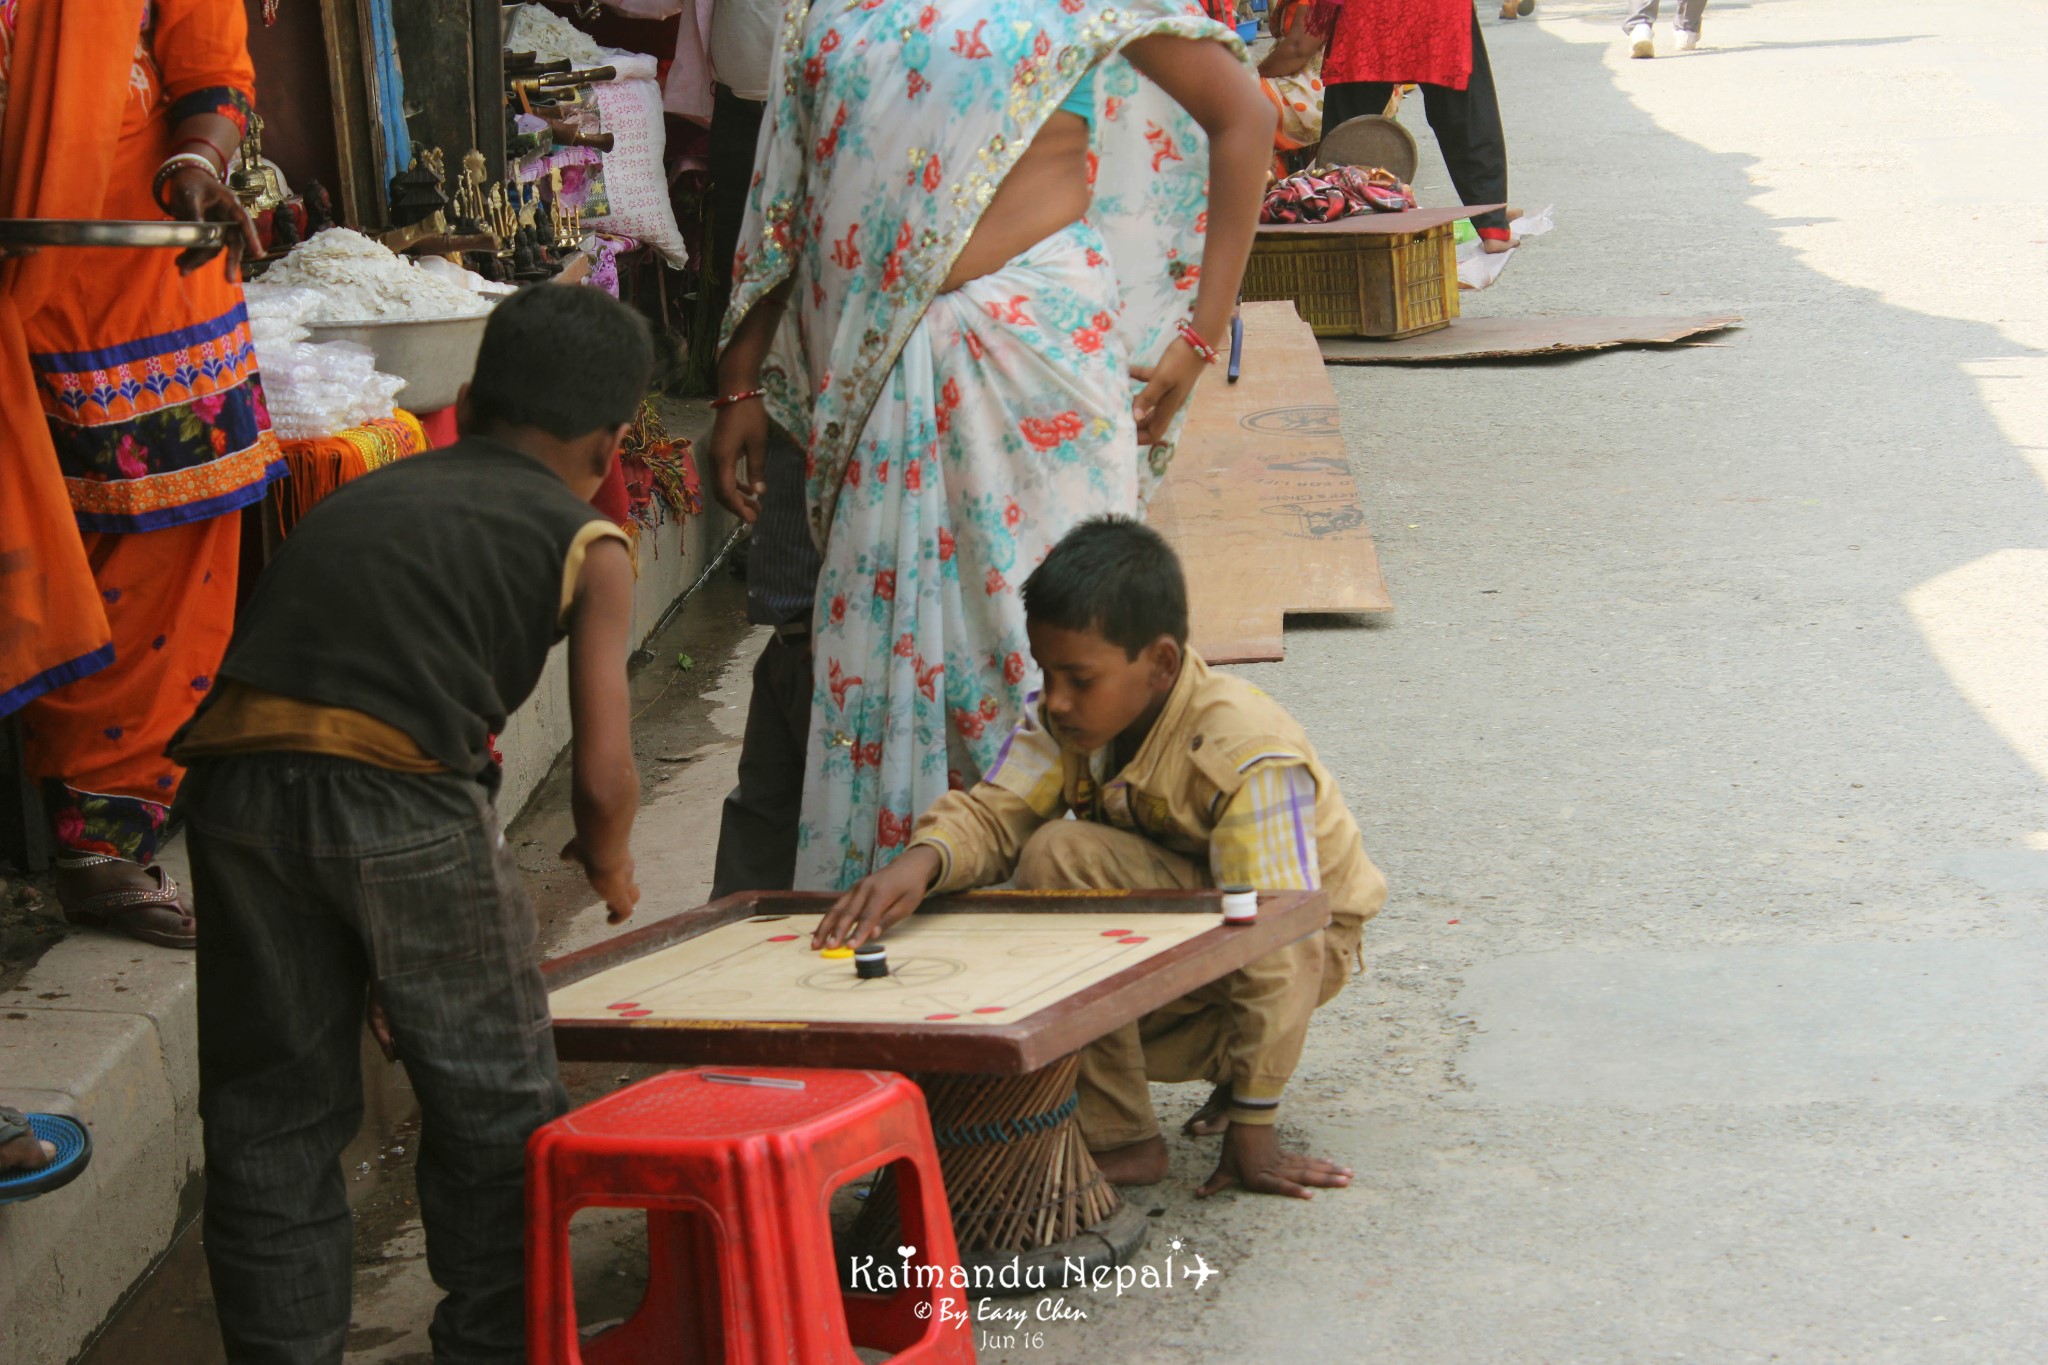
x=990 y=221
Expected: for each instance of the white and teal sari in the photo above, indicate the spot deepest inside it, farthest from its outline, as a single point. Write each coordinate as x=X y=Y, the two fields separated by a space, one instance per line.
x=952 y=438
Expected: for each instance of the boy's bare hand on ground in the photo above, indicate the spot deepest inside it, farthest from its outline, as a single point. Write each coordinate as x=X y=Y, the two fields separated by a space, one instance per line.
x=878 y=901
x=1252 y=1160
x=615 y=884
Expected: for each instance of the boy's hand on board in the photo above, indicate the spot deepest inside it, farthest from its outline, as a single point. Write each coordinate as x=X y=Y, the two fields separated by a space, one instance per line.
x=878 y=901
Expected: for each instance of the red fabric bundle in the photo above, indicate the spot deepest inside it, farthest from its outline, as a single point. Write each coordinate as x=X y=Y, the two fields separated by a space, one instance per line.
x=1327 y=193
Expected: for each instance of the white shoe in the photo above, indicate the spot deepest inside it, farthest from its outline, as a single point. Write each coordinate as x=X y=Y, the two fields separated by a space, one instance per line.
x=1687 y=41
x=1640 y=44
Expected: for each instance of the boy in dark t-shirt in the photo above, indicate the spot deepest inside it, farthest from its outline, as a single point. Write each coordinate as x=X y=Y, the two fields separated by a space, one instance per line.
x=343 y=833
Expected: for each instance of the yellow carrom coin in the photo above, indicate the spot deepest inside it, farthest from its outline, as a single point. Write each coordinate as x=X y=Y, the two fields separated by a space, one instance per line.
x=835 y=952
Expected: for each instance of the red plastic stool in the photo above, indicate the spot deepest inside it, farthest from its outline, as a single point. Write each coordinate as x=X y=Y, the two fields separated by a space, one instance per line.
x=736 y=1179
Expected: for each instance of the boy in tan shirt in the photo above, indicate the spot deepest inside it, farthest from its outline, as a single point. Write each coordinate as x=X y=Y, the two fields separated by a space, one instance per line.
x=1178 y=777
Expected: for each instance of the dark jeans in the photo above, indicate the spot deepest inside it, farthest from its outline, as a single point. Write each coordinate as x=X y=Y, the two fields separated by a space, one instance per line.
x=1466 y=123
x=757 y=836
x=317 y=875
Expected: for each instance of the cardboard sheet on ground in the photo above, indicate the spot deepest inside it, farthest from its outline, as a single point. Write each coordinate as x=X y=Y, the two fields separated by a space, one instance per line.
x=1260 y=500
x=980 y=969
x=1469 y=338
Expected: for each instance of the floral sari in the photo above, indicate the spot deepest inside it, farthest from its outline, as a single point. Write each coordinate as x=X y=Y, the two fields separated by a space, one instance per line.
x=952 y=439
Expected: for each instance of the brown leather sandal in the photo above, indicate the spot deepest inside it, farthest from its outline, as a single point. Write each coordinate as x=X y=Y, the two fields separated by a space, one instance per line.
x=150 y=916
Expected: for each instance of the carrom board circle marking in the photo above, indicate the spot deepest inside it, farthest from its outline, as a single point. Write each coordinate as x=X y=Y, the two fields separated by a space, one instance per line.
x=911 y=971
x=783 y=938
x=992 y=1009
x=634 y=1014
x=1134 y=938
x=625 y=1005
x=1114 y=933
x=942 y=1016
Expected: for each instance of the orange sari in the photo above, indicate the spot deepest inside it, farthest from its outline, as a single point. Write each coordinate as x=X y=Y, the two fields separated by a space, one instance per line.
x=133 y=412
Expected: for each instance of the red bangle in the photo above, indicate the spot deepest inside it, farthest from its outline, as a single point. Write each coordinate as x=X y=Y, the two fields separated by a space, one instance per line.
x=1197 y=344
x=720 y=404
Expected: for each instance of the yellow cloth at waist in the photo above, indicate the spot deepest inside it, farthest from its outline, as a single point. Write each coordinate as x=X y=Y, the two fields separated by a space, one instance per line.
x=246 y=720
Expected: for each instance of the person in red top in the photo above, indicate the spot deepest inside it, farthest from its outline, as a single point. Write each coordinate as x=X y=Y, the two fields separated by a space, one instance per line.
x=1376 y=45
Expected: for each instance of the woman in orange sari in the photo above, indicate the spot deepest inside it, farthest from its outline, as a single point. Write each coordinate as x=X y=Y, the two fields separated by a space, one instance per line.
x=133 y=422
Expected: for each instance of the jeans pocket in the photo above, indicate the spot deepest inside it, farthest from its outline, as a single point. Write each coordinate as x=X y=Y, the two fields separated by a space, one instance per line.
x=424 y=905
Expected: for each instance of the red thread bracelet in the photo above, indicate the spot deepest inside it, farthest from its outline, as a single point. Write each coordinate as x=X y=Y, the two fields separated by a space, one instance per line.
x=1198 y=344
x=720 y=404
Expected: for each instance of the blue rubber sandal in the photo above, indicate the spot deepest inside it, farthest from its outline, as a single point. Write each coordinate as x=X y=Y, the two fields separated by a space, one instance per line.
x=68 y=1136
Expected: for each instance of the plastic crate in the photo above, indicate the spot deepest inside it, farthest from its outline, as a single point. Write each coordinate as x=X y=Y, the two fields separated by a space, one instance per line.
x=1347 y=284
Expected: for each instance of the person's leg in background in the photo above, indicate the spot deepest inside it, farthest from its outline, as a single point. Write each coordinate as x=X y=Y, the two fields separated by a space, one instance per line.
x=281 y=980
x=97 y=745
x=757 y=833
x=1688 y=23
x=1640 y=26
x=1354 y=99
x=1475 y=149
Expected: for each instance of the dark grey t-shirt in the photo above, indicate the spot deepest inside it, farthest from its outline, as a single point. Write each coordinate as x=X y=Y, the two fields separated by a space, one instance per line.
x=426 y=594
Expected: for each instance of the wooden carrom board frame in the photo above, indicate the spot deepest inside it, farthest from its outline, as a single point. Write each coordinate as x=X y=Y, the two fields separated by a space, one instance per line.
x=1037 y=1040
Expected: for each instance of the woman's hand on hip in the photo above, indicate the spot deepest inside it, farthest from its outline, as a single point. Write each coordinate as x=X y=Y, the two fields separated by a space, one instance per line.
x=193 y=196
x=739 y=447
x=1168 y=386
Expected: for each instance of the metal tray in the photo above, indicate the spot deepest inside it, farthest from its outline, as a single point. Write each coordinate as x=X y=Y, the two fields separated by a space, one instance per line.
x=109 y=232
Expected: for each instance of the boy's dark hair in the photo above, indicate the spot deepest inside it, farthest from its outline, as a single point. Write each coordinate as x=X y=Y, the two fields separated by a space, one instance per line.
x=569 y=359
x=1116 y=577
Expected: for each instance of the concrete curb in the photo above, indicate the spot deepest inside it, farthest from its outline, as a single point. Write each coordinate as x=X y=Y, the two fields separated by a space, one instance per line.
x=102 y=1029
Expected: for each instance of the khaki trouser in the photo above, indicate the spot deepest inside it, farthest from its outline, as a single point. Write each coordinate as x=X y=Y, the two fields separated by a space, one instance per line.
x=1190 y=1039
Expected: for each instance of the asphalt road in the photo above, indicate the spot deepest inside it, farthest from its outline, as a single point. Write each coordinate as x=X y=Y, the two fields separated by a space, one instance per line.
x=1704 y=752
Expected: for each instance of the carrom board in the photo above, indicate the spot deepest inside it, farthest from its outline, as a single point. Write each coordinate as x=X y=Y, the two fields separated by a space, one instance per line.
x=993 y=983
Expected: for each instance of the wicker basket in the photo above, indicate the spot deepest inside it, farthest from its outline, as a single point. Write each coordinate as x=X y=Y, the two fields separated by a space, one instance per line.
x=1356 y=284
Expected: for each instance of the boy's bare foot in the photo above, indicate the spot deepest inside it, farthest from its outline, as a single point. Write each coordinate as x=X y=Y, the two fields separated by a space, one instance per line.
x=1494 y=246
x=1138 y=1163
x=1210 y=1120
x=1252 y=1160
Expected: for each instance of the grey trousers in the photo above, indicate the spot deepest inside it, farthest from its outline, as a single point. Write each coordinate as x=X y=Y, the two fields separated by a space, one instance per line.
x=318 y=875
x=1645 y=14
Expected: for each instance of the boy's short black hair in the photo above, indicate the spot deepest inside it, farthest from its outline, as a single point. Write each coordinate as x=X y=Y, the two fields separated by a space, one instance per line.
x=569 y=359
x=1116 y=577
